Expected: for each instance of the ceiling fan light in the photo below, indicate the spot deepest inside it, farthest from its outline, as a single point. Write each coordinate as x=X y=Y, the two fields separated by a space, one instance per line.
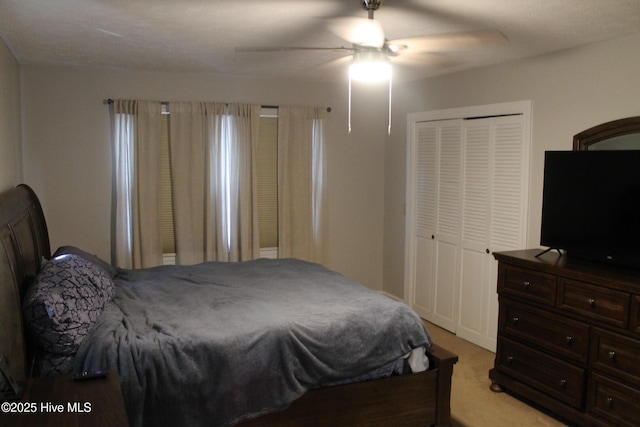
x=370 y=67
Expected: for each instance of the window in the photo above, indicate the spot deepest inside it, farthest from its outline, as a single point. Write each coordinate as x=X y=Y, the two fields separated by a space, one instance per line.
x=267 y=180
x=166 y=207
x=231 y=176
x=267 y=171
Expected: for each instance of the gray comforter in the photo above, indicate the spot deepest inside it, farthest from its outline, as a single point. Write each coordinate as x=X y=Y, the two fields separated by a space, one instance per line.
x=215 y=343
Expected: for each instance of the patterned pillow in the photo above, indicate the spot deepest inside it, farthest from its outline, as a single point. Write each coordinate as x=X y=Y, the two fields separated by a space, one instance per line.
x=72 y=250
x=64 y=302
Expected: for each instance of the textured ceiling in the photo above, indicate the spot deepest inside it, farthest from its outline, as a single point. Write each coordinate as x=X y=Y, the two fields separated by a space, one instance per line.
x=202 y=35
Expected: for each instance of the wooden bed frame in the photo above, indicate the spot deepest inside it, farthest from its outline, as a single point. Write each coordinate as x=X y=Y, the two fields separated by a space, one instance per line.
x=417 y=399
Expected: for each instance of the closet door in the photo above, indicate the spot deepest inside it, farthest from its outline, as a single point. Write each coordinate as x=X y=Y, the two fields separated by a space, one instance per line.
x=437 y=174
x=476 y=222
x=467 y=193
x=447 y=235
x=493 y=218
x=424 y=223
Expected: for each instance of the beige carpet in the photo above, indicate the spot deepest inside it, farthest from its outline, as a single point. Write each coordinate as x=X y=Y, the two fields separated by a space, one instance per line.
x=472 y=403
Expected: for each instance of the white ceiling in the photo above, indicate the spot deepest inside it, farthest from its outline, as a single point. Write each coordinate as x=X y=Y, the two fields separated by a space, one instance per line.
x=202 y=35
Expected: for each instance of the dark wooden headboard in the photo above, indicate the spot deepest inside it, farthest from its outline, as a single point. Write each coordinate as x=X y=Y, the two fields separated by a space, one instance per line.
x=25 y=243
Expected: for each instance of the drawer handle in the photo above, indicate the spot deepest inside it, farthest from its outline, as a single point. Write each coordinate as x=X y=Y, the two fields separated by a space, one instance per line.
x=509 y=359
x=515 y=320
x=563 y=383
x=612 y=355
x=569 y=339
x=526 y=284
x=592 y=302
x=610 y=402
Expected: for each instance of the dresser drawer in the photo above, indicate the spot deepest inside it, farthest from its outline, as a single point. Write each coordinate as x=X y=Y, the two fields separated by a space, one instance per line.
x=562 y=336
x=529 y=284
x=616 y=355
x=614 y=402
x=603 y=304
x=559 y=379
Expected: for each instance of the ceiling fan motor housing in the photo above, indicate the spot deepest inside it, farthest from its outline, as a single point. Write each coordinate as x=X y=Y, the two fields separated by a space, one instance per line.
x=371 y=4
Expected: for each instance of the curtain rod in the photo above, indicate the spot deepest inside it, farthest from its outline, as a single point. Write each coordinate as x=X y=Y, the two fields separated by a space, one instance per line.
x=109 y=101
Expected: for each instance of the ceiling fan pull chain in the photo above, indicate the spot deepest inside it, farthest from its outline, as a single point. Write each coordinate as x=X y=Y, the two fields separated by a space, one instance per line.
x=349 y=104
x=390 y=84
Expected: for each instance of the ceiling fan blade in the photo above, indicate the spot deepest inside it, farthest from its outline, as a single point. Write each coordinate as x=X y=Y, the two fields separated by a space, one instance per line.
x=359 y=31
x=449 y=42
x=335 y=63
x=426 y=60
x=290 y=48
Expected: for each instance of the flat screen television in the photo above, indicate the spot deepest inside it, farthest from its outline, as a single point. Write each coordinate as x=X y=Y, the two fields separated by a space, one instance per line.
x=591 y=205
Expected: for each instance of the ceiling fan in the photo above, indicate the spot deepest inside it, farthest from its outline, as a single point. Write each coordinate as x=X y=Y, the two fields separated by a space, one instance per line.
x=372 y=54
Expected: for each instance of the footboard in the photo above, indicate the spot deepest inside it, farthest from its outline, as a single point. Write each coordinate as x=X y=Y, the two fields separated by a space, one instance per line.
x=442 y=361
x=421 y=399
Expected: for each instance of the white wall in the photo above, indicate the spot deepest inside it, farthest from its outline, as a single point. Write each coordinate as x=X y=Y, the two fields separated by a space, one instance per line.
x=10 y=137
x=571 y=91
x=68 y=151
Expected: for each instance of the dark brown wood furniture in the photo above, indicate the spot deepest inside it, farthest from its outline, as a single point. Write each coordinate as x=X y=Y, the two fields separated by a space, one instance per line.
x=61 y=401
x=417 y=399
x=370 y=403
x=569 y=337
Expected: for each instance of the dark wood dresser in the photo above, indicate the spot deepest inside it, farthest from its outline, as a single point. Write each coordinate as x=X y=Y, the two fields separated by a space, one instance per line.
x=569 y=337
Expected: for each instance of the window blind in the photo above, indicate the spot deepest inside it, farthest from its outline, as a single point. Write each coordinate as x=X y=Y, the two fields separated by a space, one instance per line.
x=166 y=206
x=267 y=170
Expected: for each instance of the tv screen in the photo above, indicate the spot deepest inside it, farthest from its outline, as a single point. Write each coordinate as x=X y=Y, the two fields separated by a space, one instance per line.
x=591 y=205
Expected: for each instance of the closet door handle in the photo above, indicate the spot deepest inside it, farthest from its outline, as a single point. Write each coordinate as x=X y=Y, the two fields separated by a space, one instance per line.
x=591 y=302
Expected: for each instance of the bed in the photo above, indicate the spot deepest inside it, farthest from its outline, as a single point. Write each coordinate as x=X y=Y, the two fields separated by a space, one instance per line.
x=366 y=371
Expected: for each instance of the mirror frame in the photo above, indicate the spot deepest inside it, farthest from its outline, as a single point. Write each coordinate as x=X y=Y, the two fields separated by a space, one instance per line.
x=601 y=132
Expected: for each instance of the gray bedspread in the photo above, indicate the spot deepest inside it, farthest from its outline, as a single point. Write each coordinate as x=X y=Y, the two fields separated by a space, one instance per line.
x=215 y=343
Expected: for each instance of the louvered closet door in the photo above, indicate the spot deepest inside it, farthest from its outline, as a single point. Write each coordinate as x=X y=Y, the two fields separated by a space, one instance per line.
x=447 y=235
x=437 y=229
x=425 y=176
x=493 y=218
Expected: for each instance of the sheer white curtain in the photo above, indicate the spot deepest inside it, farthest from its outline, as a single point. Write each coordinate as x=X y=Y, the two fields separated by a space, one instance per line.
x=193 y=191
x=136 y=132
x=302 y=208
x=213 y=178
x=244 y=123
